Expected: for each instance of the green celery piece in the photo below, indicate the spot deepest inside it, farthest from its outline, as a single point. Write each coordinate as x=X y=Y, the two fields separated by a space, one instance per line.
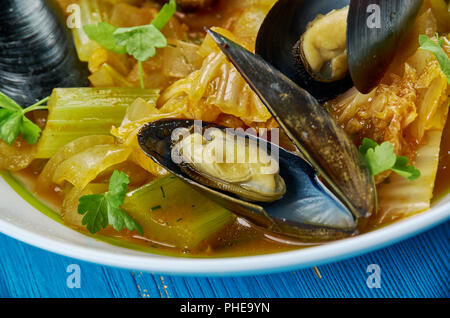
x=91 y=12
x=78 y=112
x=173 y=212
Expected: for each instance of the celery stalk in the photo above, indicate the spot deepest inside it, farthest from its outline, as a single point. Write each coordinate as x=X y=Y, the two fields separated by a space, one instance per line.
x=90 y=13
x=173 y=212
x=78 y=112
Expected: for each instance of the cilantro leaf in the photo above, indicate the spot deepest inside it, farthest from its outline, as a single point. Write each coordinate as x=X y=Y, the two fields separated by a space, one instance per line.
x=99 y=210
x=14 y=122
x=94 y=207
x=401 y=167
x=366 y=145
x=140 y=42
x=103 y=34
x=30 y=131
x=435 y=47
x=10 y=127
x=8 y=103
x=380 y=158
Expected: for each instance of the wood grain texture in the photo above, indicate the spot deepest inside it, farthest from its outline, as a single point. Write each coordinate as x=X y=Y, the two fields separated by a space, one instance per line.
x=418 y=267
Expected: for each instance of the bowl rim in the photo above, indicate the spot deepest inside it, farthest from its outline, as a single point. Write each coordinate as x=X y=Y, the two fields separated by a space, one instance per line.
x=237 y=266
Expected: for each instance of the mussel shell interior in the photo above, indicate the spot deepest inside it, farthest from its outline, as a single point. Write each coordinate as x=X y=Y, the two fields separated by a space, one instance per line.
x=279 y=35
x=307 y=211
x=37 y=53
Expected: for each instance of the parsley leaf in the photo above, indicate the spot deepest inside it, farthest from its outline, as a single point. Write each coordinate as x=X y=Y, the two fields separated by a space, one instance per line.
x=380 y=158
x=435 y=47
x=103 y=34
x=8 y=103
x=401 y=167
x=140 y=42
x=99 y=210
x=14 y=122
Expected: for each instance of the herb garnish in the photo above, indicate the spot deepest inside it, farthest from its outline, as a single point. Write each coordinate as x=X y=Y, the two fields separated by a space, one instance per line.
x=14 y=122
x=140 y=41
x=99 y=210
x=435 y=47
x=380 y=158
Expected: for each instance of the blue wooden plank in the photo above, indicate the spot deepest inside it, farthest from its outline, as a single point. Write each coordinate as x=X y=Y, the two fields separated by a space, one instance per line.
x=418 y=267
x=30 y=272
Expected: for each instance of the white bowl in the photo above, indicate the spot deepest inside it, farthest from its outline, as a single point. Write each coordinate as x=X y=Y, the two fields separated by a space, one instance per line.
x=22 y=221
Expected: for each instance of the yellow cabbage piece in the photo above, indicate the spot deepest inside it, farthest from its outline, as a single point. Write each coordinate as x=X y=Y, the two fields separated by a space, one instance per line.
x=138 y=114
x=45 y=179
x=84 y=167
x=16 y=157
x=400 y=197
x=216 y=88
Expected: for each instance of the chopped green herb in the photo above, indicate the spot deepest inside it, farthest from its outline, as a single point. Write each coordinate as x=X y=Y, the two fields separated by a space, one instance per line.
x=156 y=208
x=103 y=34
x=179 y=220
x=140 y=41
x=164 y=15
x=99 y=210
x=163 y=193
x=435 y=47
x=380 y=158
x=14 y=122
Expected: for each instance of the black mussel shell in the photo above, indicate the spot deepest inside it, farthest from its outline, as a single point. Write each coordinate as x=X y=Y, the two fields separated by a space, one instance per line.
x=37 y=52
x=375 y=29
x=370 y=49
x=308 y=211
x=313 y=131
x=278 y=38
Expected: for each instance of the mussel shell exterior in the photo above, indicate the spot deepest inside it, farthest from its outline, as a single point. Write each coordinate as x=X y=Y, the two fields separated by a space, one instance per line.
x=313 y=131
x=37 y=52
x=371 y=47
x=278 y=39
x=306 y=212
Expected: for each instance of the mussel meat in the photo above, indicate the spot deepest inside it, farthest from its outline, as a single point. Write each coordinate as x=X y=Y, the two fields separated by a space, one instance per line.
x=310 y=127
x=307 y=210
x=224 y=161
x=37 y=52
x=328 y=46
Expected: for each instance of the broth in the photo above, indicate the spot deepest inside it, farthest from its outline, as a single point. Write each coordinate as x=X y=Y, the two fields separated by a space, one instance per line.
x=240 y=238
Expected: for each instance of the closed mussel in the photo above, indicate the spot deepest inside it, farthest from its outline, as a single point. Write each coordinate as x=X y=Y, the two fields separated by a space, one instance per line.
x=37 y=53
x=328 y=46
x=282 y=194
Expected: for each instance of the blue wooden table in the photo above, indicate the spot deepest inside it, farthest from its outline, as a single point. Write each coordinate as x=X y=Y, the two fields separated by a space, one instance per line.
x=418 y=267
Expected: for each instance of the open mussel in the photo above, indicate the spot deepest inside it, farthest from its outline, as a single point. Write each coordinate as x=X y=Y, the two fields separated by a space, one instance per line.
x=326 y=190
x=327 y=46
x=37 y=52
x=313 y=131
x=290 y=199
x=216 y=159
